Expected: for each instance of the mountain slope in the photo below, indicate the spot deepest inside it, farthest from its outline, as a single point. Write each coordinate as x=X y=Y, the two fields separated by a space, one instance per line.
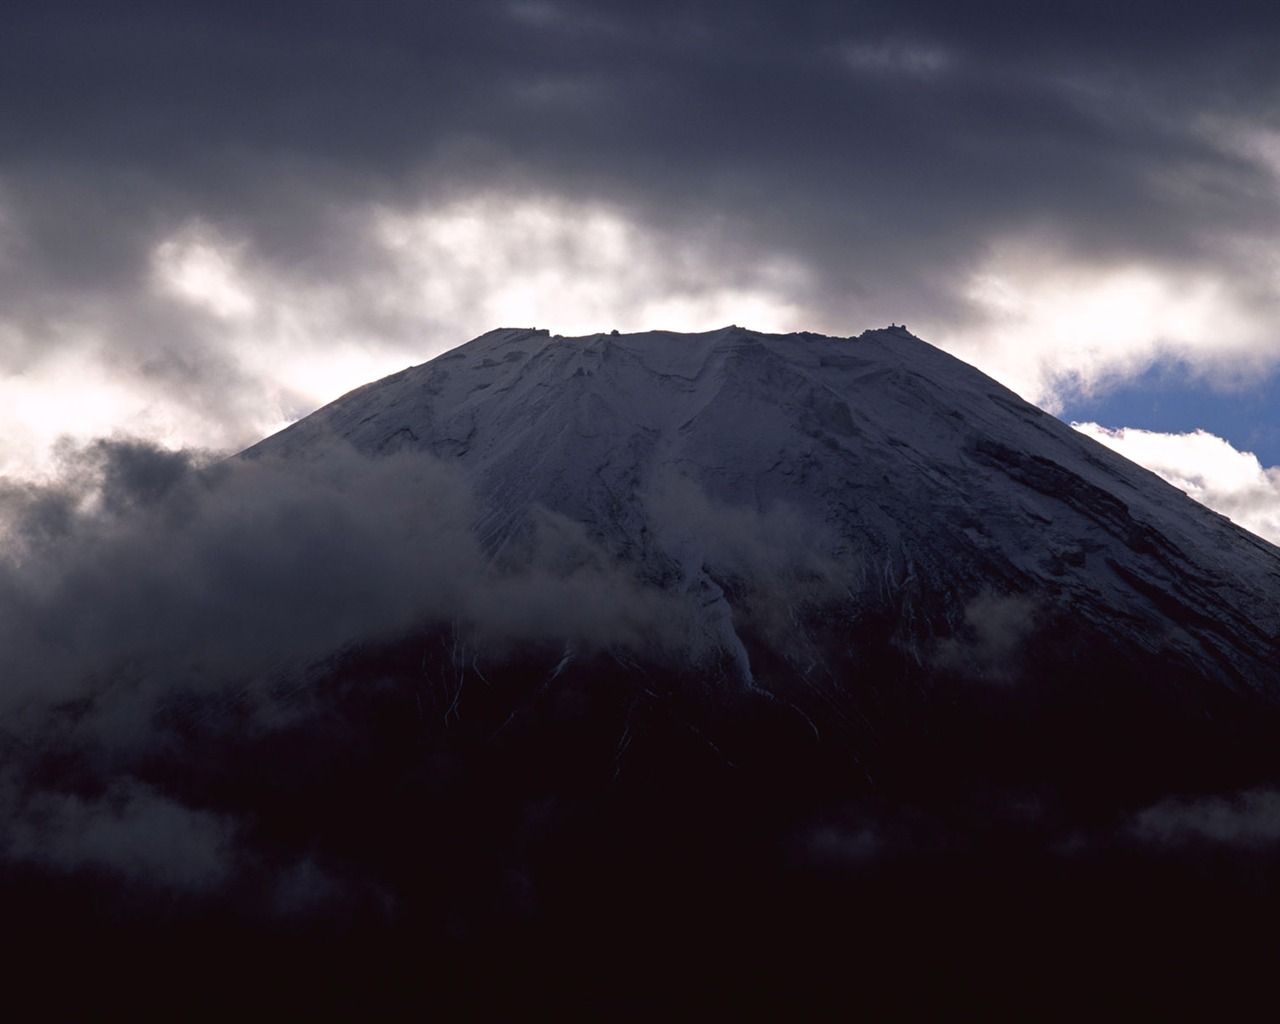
x=929 y=485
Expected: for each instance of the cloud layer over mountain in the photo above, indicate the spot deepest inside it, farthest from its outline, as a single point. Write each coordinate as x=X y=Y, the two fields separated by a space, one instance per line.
x=145 y=594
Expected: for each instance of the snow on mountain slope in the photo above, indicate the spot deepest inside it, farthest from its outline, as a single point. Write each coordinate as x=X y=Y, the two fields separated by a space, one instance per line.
x=893 y=472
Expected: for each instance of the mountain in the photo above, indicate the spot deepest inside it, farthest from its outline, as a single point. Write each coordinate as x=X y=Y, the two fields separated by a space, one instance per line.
x=663 y=675
x=930 y=491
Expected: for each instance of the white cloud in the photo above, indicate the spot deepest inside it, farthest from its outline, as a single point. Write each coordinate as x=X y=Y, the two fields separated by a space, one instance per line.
x=73 y=393
x=200 y=268
x=1206 y=467
x=1254 y=142
x=575 y=268
x=1050 y=326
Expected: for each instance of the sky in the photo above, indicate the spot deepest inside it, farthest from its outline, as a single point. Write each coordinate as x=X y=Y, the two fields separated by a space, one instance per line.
x=216 y=217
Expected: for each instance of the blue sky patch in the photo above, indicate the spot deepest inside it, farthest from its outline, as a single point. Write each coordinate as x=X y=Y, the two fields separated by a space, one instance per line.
x=1171 y=398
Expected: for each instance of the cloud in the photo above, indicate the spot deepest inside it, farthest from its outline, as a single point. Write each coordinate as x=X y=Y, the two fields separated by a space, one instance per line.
x=1207 y=468
x=173 y=570
x=771 y=564
x=996 y=626
x=147 y=595
x=1057 y=327
x=1250 y=819
x=130 y=830
x=133 y=562
x=140 y=581
x=577 y=267
x=555 y=583
x=771 y=548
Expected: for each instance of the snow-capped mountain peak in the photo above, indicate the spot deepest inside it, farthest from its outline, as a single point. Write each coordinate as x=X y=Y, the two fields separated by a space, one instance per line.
x=915 y=478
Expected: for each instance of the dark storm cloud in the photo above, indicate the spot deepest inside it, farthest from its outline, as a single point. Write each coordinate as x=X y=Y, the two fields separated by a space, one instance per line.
x=884 y=144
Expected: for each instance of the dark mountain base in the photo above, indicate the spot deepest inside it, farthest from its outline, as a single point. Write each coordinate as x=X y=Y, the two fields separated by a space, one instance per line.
x=626 y=843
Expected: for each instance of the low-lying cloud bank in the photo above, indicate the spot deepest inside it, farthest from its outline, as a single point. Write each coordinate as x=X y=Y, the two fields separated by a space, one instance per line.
x=140 y=587
x=170 y=569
